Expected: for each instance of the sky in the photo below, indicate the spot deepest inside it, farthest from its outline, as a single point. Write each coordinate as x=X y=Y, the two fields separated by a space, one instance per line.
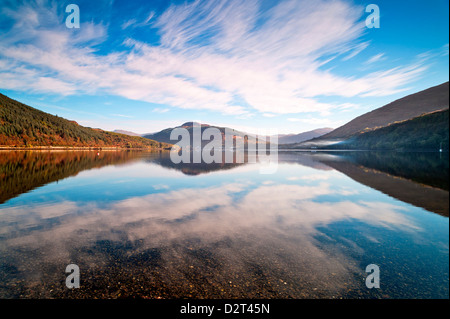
x=288 y=65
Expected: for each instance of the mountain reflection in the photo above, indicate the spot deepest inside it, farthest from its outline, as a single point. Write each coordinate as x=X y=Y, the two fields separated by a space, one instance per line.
x=420 y=179
x=169 y=231
x=192 y=168
x=404 y=176
x=425 y=168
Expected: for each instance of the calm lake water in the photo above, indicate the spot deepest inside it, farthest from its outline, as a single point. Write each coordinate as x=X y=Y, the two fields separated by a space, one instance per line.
x=140 y=226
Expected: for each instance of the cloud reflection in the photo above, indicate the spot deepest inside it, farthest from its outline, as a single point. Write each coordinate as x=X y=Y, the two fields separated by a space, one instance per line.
x=273 y=227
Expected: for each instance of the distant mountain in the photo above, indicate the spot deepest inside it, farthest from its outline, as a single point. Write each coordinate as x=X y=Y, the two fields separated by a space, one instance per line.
x=164 y=135
x=126 y=133
x=427 y=101
x=24 y=126
x=298 y=138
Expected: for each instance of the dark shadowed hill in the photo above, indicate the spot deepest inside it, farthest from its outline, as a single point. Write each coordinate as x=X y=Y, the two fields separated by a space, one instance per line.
x=429 y=132
x=430 y=100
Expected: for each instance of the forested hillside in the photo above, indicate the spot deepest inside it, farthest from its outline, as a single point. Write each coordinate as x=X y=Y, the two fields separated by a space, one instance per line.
x=24 y=126
x=427 y=101
x=427 y=132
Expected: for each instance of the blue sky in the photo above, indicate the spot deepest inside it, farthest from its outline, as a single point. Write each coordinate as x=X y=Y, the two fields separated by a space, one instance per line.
x=291 y=65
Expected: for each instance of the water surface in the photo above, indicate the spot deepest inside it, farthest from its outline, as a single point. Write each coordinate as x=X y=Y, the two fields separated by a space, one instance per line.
x=140 y=226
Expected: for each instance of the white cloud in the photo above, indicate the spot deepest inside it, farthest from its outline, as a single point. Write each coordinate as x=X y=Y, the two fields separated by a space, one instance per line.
x=161 y=110
x=273 y=65
x=128 y=23
x=376 y=58
x=133 y=23
x=356 y=50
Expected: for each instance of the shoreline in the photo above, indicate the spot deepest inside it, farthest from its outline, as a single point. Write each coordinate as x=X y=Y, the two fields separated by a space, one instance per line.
x=78 y=148
x=111 y=148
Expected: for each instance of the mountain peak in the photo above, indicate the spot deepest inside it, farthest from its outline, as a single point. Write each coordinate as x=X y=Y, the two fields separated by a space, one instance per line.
x=190 y=124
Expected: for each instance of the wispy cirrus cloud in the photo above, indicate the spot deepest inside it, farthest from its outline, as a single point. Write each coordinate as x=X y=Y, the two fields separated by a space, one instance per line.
x=356 y=50
x=230 y=57
x=376 y=58
x=134 y=23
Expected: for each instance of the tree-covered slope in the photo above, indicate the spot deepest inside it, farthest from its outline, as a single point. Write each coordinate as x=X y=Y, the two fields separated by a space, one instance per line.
x=22 y=125
x=427 y=101
x=426 y=132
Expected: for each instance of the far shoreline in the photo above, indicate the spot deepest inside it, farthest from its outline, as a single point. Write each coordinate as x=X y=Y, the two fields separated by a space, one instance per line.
x=78 y=148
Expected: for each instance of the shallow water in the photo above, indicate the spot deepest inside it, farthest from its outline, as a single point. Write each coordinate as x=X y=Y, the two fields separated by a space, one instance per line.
x=138 y=225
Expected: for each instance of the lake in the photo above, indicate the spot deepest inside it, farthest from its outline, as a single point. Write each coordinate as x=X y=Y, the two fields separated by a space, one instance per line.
x=138 y=225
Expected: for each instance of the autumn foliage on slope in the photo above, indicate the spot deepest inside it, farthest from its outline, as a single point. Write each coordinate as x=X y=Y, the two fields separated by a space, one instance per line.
x=24 y=126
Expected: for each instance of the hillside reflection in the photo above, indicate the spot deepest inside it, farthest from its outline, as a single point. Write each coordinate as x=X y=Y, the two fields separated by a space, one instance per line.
x=425 y=168
x=22 y=171
x=142 y=227
x=420 y=179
